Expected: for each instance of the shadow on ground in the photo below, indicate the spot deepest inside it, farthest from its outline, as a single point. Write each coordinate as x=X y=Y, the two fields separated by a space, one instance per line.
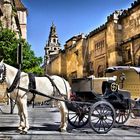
x=4 y=129
x=45 y=127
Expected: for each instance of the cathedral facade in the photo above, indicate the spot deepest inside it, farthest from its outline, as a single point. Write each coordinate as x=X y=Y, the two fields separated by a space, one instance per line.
x=116 y=42
x=13 y=15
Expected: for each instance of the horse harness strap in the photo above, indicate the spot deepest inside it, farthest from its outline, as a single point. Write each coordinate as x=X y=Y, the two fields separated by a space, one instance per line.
x=44 y=95
x=54 y=85
x=32 y=88
x=32 y=85
x=15 y=82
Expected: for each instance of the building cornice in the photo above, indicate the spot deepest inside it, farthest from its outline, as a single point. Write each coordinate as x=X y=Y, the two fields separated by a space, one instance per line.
x=97 y=30
x=19 y=5
x=130 y=39
x=127 y=12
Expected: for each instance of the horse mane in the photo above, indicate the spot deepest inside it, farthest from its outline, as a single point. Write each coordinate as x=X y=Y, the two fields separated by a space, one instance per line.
x=13 y=68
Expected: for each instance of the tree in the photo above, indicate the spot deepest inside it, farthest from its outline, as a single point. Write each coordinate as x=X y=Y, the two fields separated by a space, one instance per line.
x=8 y=50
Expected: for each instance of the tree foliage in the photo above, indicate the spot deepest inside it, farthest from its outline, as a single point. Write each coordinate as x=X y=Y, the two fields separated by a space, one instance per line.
x=8 y=50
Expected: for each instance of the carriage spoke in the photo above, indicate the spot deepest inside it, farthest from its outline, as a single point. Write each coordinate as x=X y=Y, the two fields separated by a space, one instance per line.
x=92 y=120
x=99 y=126
x=122 y=116
x=108 y=111
x=119 y=117
x=106 y=123
x=76 y=119
x=97 y=111
x=96 y=122
x=84 y=118
x=103 y=125
x=109 y=119
x=125 y=117
x=73 y=117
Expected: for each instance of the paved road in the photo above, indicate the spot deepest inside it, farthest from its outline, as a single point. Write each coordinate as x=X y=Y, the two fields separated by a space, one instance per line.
x=44 y=122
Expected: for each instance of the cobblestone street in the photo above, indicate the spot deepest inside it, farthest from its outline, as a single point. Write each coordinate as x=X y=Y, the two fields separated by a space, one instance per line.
x=44 y=122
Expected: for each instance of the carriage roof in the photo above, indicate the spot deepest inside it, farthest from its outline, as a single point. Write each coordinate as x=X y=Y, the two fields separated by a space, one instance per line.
x=119 y=68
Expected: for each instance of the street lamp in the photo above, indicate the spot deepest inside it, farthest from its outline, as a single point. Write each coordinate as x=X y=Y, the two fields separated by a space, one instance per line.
x=19 y=55
x=19 y=62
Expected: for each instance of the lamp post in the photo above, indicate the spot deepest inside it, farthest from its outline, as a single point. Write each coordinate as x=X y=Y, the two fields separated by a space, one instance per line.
x=122 y=79
x=19 y=62
x=19 y=55
x=19 y=48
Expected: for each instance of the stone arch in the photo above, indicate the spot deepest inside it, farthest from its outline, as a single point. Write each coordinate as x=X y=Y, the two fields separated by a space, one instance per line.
x=100 y=71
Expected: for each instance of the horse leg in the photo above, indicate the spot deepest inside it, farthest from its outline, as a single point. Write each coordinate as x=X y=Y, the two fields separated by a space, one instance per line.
x=64 y=115
x=20 y=113
x=25 y=114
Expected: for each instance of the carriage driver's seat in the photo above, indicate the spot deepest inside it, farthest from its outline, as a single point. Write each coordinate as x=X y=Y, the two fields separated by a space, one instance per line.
x=111 y=91
x=109 y=87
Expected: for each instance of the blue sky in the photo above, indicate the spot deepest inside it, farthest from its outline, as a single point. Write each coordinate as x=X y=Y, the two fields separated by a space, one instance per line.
x=70 y=17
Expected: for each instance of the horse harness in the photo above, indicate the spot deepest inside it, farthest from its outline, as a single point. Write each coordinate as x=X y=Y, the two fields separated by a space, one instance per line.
x=15 y=82
x=32 y=86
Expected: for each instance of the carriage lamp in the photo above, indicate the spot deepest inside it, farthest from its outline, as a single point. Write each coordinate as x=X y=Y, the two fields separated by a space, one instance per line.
x=122 y=78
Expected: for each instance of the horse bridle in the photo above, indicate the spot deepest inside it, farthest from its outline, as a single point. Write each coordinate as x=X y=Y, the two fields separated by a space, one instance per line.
x=2 y=73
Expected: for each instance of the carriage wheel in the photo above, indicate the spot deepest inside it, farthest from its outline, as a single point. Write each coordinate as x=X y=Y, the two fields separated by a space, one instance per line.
x=102 y=117
x=77 y=119
x=122 y=116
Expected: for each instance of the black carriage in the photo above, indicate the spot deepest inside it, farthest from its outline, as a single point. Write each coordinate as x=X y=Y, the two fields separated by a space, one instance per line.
x=102 y=109
x=128 y=79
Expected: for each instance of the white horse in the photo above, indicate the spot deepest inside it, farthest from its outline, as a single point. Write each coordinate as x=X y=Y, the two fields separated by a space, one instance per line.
x=18 y=82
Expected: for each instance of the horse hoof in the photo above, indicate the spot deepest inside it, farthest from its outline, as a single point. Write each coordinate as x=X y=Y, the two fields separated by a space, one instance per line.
x=18 y=131
x=59 y=129
x=62 y=130
x=23 y=132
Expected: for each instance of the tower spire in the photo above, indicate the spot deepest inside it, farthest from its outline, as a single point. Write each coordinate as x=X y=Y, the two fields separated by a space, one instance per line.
x=53 y=33
x=52 y=46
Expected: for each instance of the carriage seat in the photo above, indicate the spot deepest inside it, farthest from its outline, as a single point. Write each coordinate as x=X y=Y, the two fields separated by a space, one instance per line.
x=120 y=99
x=106 y=86
x=126 y=94
x=106 y=89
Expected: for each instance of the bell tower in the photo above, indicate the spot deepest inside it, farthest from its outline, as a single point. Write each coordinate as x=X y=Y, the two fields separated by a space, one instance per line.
x=52 y=46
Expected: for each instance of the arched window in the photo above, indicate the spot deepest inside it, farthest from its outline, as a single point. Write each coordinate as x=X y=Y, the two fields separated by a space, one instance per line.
x=100 y=71
x=129 y=54
x=54 y=40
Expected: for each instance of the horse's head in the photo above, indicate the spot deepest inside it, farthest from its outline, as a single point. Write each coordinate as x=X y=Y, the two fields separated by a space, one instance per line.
x=2 y=72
